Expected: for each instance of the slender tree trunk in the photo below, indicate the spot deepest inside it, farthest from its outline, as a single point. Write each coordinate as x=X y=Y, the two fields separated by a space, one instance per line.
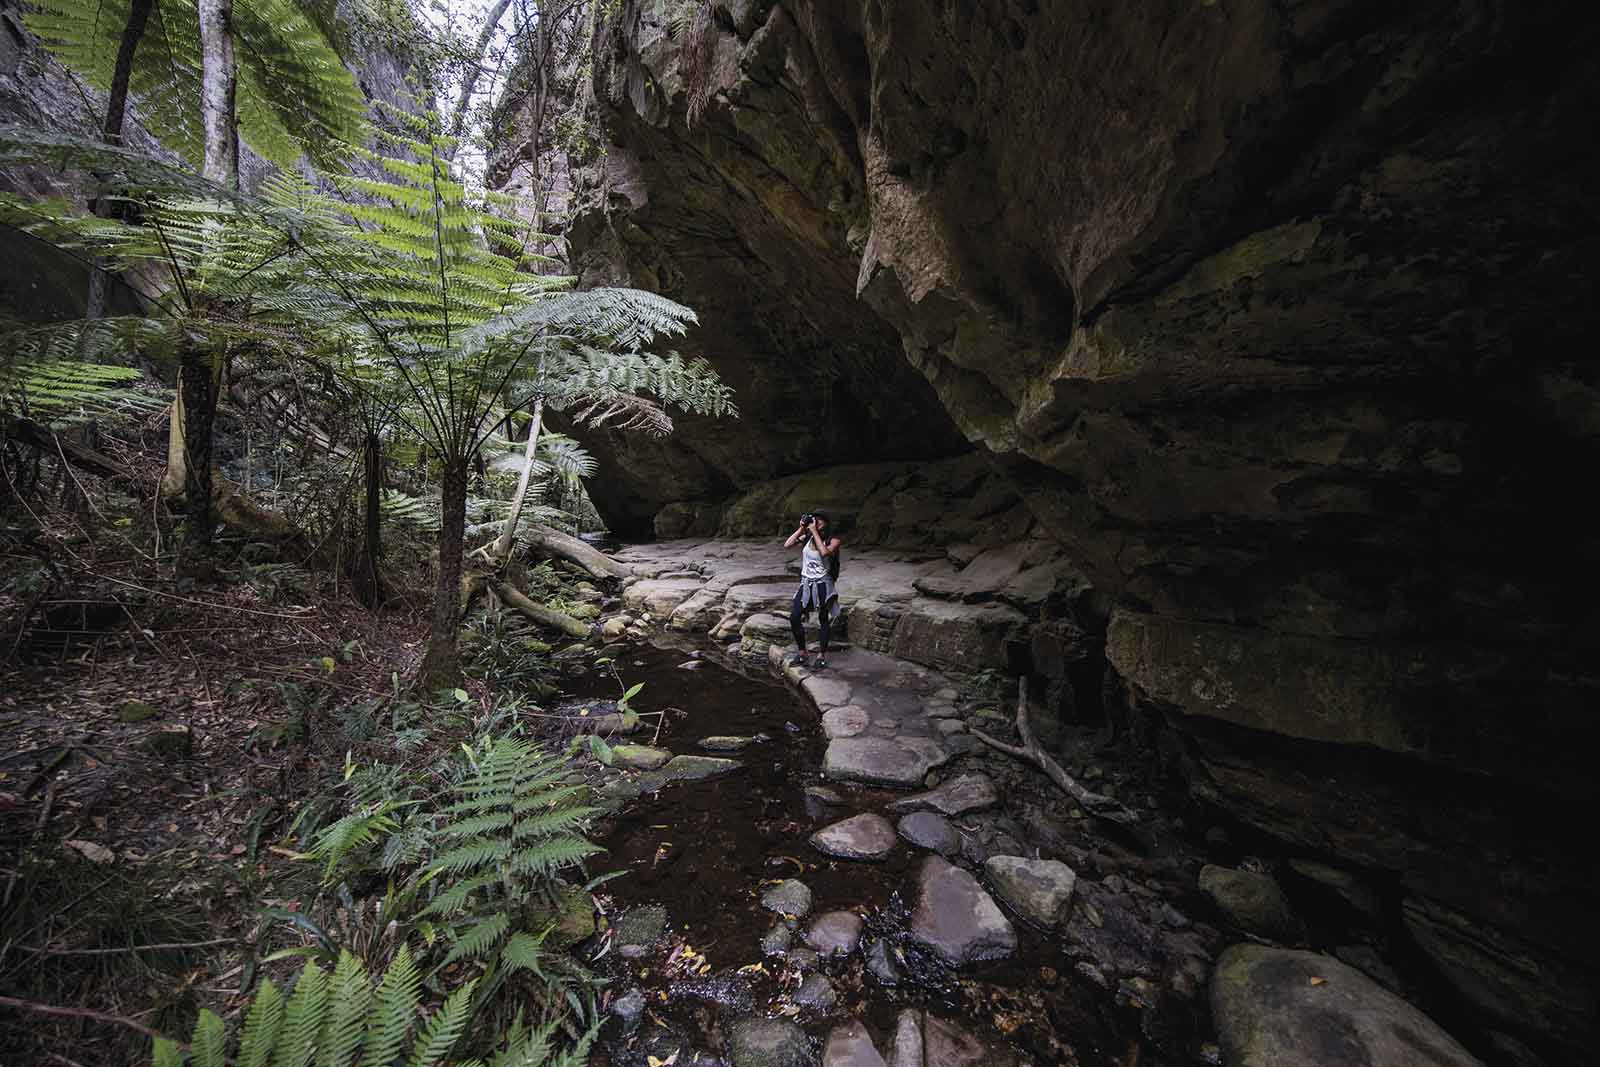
x=441 y=664
x=111 y=132
x=368 y=584
x=469 y=81
x=197 y=383
x=508 y=536
x=176 y=477
x=219 y=87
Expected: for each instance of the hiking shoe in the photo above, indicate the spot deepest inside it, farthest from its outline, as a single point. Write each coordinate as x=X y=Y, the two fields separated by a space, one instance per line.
x=799 y=659
x=821 y=664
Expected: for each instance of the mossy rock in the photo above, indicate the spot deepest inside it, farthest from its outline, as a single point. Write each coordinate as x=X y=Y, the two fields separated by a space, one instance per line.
x=573 y=918
x=136 y=711
x=170 y=742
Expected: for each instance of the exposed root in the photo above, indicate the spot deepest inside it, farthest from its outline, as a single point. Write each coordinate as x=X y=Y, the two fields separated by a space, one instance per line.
x=556 y=620
x=1096 y=804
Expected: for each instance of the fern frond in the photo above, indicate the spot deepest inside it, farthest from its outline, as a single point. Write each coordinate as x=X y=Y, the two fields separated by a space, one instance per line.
x=350 y=995
x=302 y=1019
x=479 y=938
x=444 y=1029
x=392 y=1010
x=261 y=1026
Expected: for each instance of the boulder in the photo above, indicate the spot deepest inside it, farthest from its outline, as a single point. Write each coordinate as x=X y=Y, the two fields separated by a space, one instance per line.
x=961 y=794
x=728 y=742
x=760 y=1042
x=880 y=761
x=817 y=994
x=790 y=898
x=835 y=933
x=851 y=1045
x=1277 y=1006
x=1039 y=890
x=932 y=831
x=1252 y=902
x=956 y=918
x=640 y=757
x=861 y=837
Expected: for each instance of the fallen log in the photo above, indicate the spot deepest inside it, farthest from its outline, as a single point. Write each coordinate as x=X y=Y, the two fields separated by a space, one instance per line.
x=1096 y=804
x=563 y=546
x=555 y=620
x=81 y=456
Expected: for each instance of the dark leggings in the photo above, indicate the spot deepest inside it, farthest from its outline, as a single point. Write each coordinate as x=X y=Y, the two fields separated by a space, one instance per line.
x=798 y=612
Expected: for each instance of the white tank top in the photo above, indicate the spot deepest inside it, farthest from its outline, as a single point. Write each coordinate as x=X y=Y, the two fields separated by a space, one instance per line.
x=812 y=565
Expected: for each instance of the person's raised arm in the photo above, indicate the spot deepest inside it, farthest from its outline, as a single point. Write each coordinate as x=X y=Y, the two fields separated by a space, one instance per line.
x=826 y=548
x=795 y=538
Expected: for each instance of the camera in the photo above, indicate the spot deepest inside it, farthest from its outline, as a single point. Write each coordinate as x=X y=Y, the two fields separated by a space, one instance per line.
x=807 y=519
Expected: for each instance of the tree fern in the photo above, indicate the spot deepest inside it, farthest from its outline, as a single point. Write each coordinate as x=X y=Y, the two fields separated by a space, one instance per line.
x=294 y=94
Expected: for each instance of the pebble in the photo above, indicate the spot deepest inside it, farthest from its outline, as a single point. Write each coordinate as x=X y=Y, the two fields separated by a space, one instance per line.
x=629 y=1009
x=777 y=940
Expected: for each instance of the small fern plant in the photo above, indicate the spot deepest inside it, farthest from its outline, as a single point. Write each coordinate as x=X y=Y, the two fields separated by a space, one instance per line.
x=516 y=825
x=341 y=1020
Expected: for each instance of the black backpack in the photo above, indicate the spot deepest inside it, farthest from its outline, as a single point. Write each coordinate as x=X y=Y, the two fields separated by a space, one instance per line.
x=833 y=566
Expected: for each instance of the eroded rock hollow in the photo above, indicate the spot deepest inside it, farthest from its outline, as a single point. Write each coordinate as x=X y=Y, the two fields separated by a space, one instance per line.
x=1268 y=317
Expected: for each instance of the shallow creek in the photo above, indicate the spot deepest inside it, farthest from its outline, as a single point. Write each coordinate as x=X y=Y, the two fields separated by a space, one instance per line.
x=698 y=854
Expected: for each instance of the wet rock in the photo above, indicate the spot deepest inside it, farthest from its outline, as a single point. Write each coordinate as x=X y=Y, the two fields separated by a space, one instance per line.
x=777 y=940
x=880 y=963
x=1350 y=888
x=946 y=727
x=728 y=743
x=629 y=1010
x=961 y=794
x=136 y=711
x=697 y=768
x=926 y=829
x=803 y=959
x=962 y=745
x=1279 y=1006
x=851 y=1045
x=817 y=994
x=861 y=837
x=956 y=918
x=1040 y=890
x=923 y=1040
x=881 y=761
x=639 y=929
x=731 y=991
x=823 y=795
x=847 y=721
x=1366 y=960
x=1252 y=902
x=826 y=692
x=758 y=1042
x=835 y=933
x=789 y=898
x=640 y=757
x=614 y=628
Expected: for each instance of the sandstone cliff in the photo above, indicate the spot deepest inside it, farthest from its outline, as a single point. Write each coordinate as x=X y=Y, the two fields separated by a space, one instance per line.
x=1272 y=315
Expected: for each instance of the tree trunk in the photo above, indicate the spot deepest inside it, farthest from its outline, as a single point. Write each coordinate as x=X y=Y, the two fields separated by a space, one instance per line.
x=555 y=543
x=368 y=584
x=219 y=86
x=441 y=665
x=458 y=118
x=176 y=476
x=539 y=613
x=111 y=133
x=197 y=388
x=508 y=536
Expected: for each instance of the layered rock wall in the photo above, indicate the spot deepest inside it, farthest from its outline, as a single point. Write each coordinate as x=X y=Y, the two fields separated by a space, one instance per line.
x=1272 y=315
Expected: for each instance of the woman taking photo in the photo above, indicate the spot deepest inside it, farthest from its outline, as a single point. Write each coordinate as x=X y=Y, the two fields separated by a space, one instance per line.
x=819 y=569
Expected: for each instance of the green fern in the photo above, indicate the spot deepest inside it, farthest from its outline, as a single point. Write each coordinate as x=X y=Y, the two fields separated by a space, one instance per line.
x=294 y=93
x=340 y=1020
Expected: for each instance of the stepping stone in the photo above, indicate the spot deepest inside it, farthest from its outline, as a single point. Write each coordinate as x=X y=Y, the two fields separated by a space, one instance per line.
x=961 y=794
x=922 y=1039
x=762 y=1042
x=860 y=837
x=789 y=897
x=640 y=757
x=729 y=743
x=956 y=918
x=1274 y=1005
x=881 y=761
x=1040 y=890
x=629 y=1010
x=847 y=721
x=851 y=1046
x=925 y=829
x=835 y=933
x=946 y=727
x=640 y=929
x=826 y=692
x=823 y=795
x=817 y=994
x=1252 y=902
x=776 y=942
x=697 y=768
